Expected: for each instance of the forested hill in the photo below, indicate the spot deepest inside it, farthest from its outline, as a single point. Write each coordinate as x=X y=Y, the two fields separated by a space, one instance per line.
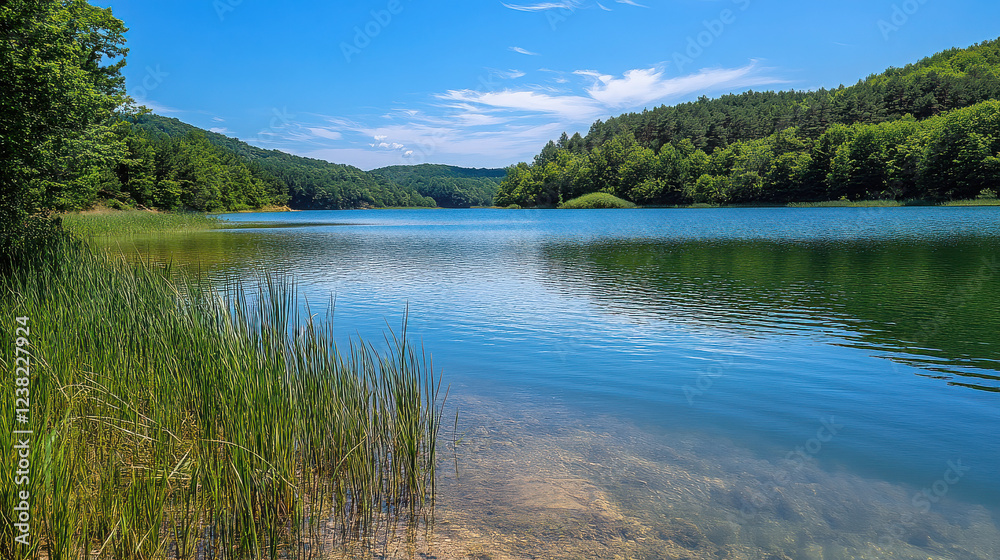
x=450 y=187
x=310 y=183
x=927 y=130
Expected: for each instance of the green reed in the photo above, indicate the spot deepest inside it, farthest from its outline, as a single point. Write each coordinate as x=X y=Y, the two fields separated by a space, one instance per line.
x=172 y=420
x=120 y=223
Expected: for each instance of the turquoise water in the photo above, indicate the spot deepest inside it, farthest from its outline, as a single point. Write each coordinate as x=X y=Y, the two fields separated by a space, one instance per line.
x=786 y=381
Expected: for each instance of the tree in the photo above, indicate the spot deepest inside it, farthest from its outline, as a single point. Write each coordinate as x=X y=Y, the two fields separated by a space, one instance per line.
x=962 y=152
x=60 y=90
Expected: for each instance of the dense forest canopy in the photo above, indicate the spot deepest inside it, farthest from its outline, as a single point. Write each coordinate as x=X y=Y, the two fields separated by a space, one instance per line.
x=60 y=90
x=928 y=130
x=450 y=187
x=279 y=178
x=310 y=184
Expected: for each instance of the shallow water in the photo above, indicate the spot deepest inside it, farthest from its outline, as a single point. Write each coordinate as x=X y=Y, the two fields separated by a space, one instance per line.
x=731 y=383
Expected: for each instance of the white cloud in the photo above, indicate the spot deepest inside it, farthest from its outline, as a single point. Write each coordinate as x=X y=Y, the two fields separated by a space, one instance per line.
x=156 y=107
x=388 y=146
x=220 y=130
x=325 y=133
x=496 y=128
x=218 y=119
x=568 y=106
x=641 y=87
x=479 y=119
x=571 y=5
x=523 y=51
x=635 y=89
x=591 y=73
x=565 y=5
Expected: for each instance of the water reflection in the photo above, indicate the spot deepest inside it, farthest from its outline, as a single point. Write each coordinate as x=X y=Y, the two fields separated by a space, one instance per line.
x=633 y=383
x=929 y=305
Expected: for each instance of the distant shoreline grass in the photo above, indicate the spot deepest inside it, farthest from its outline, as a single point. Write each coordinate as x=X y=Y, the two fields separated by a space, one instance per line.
x=87 y=225
x=841 y=204
x=893 y=203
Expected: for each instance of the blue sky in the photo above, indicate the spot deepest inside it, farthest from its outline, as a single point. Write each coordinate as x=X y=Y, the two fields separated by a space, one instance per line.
x=486 y=83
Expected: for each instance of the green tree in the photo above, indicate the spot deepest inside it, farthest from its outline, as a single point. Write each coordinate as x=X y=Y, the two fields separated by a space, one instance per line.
x=60 y=90
x=961 y=157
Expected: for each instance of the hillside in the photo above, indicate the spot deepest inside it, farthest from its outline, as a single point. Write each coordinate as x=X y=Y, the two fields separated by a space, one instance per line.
x=450 y=187
x=927 y=130
x=310 y=183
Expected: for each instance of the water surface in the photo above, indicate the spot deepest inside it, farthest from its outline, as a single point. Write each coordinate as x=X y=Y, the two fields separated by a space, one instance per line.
x=726 y=383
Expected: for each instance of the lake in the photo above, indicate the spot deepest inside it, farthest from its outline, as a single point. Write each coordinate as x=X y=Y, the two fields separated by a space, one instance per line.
x=723 y=383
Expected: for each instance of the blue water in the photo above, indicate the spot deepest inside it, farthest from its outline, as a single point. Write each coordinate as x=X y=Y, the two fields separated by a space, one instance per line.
x=747 y=326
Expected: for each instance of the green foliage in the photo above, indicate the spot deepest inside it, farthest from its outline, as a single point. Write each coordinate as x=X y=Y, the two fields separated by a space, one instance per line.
x=87 y=226
x=163 y=408
x=928 y=131
x=189 y=173
x=596 y=200
x=450 y=187
x=60 y=88
x=311 y=184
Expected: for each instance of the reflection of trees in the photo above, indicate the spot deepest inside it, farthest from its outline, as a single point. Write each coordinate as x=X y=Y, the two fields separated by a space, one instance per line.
x=932 y=304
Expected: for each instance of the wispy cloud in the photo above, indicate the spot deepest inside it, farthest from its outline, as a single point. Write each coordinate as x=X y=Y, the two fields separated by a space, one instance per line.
x=157 y=108
x=541 y=7
x=571 y=5
x=635 y=89
x=573 y=107
x=496 y=128
x=523 y=51
x=642 y=87
x=325 y=133
x=220 y=130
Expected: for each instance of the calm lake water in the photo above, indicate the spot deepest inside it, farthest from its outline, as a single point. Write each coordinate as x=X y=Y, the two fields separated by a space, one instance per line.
x=727 y=383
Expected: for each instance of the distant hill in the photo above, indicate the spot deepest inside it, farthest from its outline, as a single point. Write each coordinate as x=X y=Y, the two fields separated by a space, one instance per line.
x=310 y=183
x=450 y=187
x=928 y=130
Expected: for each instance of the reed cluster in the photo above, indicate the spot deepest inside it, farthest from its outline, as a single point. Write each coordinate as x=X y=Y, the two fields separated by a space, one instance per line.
x=112 y=222
x=174 y=420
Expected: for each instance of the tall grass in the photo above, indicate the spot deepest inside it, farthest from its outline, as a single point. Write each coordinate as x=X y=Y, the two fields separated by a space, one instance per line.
x=855 y=204
x=173 y=420
x=112 y=222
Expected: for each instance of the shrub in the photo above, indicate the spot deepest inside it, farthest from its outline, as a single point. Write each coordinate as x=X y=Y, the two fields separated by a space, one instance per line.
x=596 y=200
